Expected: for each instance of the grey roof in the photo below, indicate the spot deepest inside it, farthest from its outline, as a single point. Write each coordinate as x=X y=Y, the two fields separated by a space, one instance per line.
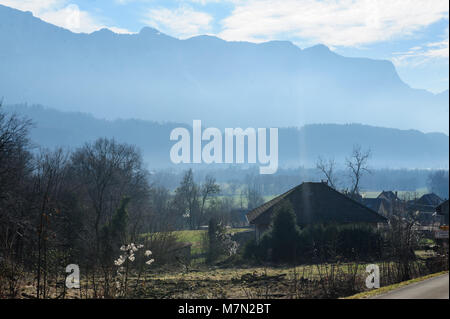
x=373 y=203
x=388 y=195
x=429 y=199
x=317 y=203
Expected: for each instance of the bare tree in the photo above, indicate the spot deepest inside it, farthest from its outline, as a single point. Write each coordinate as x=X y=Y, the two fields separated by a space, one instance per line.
x=186 y=199
x=105 y=172
x=403 y=238
x=49 y=176
x=253 y=196
x=209 y=188
x=14 y=145
x=15 y=171
x=358 y=166
x=328 y=168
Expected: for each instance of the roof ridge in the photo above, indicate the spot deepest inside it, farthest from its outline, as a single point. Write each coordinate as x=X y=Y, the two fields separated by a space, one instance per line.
x=271 y=202
x=258 y=211
x=358 y=203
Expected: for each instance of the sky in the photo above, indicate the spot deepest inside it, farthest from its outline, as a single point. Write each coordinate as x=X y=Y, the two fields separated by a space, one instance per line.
x=413 y=34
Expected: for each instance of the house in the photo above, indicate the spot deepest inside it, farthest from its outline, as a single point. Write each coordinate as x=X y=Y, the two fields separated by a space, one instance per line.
x=390 y=201
x=238 y=218
x=429 y=200
x=379 y=205
x=315 y=203
x=389 y=196
x=425 y=208
x=426 y=203
x=442 y=210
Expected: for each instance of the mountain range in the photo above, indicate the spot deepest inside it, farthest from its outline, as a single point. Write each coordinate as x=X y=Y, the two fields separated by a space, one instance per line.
x=390 y=148
x=152 y=76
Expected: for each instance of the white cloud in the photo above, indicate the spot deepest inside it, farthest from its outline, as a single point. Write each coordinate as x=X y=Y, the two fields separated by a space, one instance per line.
x=421 y=55
x=332 y=22
x=204 y=2
x=182 y=22
x=424 y=53
x=35 y=6
x=123 y=2
x=62 y=13
x=437 y=49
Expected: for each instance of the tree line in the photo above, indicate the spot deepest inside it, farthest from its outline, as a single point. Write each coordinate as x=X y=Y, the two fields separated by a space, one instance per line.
x=59 y=206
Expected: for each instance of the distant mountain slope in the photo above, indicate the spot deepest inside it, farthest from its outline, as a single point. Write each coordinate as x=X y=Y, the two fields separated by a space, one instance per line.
x=153 y=76
x=391 y=148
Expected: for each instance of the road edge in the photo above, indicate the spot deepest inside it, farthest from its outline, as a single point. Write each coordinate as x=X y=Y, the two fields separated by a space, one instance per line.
x=386 y=289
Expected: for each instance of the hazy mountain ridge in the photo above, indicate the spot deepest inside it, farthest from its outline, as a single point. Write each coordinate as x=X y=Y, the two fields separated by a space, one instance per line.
x=153 y=76
x=297 y=146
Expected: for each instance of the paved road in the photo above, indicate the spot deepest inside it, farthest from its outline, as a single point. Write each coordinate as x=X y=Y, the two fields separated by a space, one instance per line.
x=434 y=288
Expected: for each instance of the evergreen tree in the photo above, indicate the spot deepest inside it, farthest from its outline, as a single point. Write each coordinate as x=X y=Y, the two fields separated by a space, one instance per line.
x=285 y=233
x=114 y=233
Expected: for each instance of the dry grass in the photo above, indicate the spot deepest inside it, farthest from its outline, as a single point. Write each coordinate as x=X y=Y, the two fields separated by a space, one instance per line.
x=244 y=282
x=385 y=289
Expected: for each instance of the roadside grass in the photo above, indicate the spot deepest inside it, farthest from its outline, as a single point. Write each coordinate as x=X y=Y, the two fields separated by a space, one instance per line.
x=385 y=289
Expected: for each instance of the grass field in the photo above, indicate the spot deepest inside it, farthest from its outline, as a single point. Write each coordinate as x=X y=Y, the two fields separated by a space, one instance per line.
x=204 y=281
x=303 y=281
x=335 y=280
x=239 y=282
x=195 y=237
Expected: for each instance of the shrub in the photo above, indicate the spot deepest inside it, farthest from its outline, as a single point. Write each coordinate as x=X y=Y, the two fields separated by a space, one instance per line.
x=219 y=242
x=285 y=234
x=332 y=242
x=258 y=251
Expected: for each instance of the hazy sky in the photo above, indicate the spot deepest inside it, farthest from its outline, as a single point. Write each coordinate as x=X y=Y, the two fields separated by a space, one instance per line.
x=411 y=33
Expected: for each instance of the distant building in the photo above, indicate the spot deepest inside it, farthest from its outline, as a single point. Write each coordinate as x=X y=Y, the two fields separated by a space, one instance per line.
x=315 y=203
x=429 y=200
x=238 y=218
x=385 y=203
x=379 y=205
x=426 y=203
x=389 y=196
x=425 y=208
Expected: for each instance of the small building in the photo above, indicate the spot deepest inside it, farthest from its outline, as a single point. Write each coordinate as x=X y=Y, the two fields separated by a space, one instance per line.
x=386 y=203
x=429 y=200
x=425 y=208
x=315 y=203
x=379 y=205
x=389 y=196
x=238 y=218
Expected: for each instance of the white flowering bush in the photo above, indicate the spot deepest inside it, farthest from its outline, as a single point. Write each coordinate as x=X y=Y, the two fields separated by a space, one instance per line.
x=229 y=245
x=219 y=241
x=124 y=263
